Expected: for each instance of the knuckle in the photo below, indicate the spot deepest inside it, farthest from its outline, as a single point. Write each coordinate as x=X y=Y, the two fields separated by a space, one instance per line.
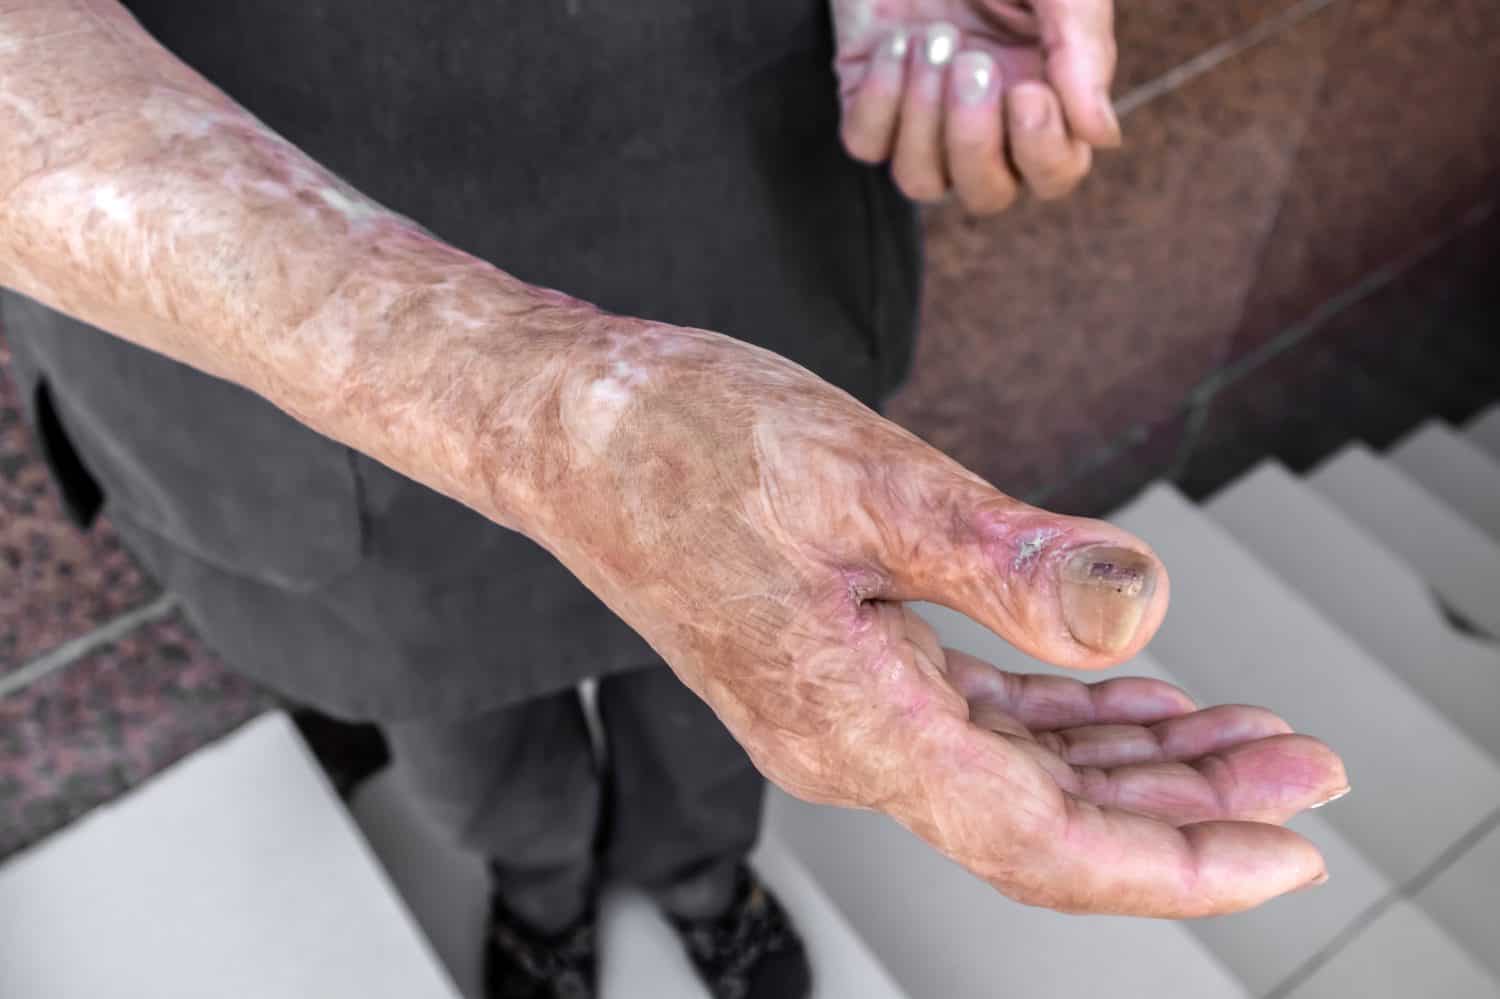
x=920 y=185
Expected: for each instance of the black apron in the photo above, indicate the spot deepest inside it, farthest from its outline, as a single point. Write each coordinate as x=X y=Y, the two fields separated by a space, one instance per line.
x=676 y=160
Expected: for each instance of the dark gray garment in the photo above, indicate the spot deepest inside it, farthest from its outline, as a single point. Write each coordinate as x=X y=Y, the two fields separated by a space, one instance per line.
x=673 y=808
x=671 y=159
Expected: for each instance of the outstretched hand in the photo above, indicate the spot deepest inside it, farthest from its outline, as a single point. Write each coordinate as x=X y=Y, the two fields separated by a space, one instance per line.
x=763 y=531
x=985 y=98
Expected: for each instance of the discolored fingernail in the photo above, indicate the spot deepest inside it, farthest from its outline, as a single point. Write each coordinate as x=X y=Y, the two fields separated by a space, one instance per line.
x=942 y=43
x=895 y=47
x=973 y=75
x=1105 y=591
x=1333 y=797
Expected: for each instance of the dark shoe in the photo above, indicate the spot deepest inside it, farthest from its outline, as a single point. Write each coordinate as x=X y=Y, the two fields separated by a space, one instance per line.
x=523 y=963
x=752 y=951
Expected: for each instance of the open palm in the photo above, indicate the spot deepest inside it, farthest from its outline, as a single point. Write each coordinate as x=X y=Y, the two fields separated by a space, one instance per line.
x=1123 y=781
x=983 y=97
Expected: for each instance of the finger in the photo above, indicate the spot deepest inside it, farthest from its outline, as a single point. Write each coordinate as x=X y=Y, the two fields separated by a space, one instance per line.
x=1268 y=780
x=973 y=136
x=1050 y=161
x=978 y=800
x=1069 y=591
x=1042 y=702
x=870 y=120
x=1080 y=41
x=1185 y=737
x=918 y=162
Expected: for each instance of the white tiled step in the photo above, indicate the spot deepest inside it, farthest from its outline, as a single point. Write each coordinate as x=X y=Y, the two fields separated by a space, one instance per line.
x=1238 y=634
x=1375 y=597
x=1456 y=470
x=639 y=954
x=236 y=872
x=1457 y=559
x=1462 y=900
x=944 y=933
x=1262 y=947
x=1484 y=430
x=1402 y=954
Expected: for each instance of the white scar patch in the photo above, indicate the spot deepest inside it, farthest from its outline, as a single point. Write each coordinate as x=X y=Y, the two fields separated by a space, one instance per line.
x=591 y=414
x=115 y=206
x=356 y=210
x=1029 y=548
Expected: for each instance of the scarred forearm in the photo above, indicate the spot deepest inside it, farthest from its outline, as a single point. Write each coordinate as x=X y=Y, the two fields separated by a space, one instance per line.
x=759 y=527
x=137 y=197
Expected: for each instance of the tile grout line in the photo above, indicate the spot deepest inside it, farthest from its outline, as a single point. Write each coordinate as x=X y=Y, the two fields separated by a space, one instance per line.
x=1373 y=281
x=1406 y=892
x=1211 y=58
x=1198 y=398
x=1195 y=402
x=1200 y=405
x=76 y=648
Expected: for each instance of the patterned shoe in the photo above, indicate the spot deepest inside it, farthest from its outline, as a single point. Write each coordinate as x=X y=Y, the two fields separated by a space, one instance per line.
x=521 y=963
x=752 y=951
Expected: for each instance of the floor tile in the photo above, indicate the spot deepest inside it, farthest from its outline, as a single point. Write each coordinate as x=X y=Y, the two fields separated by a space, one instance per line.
x=79 y=737
x=1157 y=36
x=1120 y=471
x=1405 y=138
x=56 y=582
x=1422 y=346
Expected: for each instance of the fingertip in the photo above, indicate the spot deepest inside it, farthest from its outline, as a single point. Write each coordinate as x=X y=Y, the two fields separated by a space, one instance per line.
x=869 y=125
x=1240 y=865
x=1093 y=119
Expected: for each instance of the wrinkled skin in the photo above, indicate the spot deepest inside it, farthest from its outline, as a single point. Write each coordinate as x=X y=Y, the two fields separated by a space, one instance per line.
x=758 y=526
x=983 y=98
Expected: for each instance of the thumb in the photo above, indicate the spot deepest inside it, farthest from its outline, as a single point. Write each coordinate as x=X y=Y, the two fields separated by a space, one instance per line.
x=1078 y=38
x=1070 y=591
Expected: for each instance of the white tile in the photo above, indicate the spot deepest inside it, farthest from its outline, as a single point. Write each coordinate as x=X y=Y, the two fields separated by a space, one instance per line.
x=1484 y=430
x=236 y=872
x=1266 y=945
x=1463 y=898
x=1368 y=591
x=1456 y=470
x=445 y=888
x=942 y=932
x=1238 y=634
x=1401 y=955
x=1457 y=559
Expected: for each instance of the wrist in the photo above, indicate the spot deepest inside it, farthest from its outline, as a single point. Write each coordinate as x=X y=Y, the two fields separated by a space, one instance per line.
x=450 y=371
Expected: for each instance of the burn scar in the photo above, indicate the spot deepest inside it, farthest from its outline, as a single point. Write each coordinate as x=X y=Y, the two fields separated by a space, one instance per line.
x=1028 y=548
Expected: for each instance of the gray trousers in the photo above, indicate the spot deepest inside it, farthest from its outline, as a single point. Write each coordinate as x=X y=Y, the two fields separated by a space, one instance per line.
x=673 y=805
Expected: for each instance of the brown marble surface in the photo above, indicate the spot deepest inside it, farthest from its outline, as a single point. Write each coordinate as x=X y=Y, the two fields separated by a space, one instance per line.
x=1156 y=36
x=56 y=582
x=1050 y=331
x=81 y=736
x=1427 y=345
x=1405 y=138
